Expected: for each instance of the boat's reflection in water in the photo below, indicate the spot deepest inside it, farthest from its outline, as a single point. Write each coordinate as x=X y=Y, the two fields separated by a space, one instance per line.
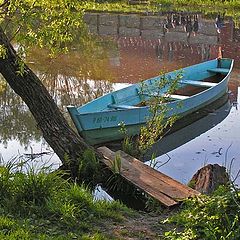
x=191 y=127
x=183 y=132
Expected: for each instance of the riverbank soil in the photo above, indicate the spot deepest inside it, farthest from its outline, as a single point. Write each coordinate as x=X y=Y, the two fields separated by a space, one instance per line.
x=139 y=226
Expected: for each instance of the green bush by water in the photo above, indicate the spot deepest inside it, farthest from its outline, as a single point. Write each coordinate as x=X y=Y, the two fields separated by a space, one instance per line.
x=215 y=217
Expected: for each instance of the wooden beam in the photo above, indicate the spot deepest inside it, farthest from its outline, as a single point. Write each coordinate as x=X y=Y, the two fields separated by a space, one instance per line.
x=121 y=106
x=156 y=184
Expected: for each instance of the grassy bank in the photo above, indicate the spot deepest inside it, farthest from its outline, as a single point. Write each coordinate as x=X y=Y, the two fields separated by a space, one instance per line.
x=42 y=205
x=209 y=217
x=208 y=7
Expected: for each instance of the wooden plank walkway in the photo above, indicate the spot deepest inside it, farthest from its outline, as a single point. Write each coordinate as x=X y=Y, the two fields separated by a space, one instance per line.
x=156 y=184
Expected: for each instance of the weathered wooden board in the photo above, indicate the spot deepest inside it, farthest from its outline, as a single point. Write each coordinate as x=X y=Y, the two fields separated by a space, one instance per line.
x=158 y=185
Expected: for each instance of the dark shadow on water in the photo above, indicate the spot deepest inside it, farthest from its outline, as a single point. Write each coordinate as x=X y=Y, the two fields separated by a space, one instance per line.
x=191 y=126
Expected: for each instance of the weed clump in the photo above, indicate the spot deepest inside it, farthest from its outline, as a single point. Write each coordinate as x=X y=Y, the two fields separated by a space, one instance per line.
x=209 y=217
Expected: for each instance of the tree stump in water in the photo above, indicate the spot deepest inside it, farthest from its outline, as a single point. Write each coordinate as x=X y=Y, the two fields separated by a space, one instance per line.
x=209 y=178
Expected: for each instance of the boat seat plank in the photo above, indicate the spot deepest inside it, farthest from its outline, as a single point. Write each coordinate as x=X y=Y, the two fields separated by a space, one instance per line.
x=219 y=70
x=198 y=83
x=175 y=96
x=121 y=106
x=151 y=94
x=166 y=95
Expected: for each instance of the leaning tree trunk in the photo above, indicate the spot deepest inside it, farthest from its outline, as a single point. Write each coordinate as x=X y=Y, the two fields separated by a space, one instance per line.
x=56 y=131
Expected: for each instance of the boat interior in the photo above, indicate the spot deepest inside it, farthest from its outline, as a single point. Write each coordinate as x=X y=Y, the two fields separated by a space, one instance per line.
x=184 y=89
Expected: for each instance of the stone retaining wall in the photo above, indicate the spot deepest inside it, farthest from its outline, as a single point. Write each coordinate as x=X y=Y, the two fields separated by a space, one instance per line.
x=149 y=27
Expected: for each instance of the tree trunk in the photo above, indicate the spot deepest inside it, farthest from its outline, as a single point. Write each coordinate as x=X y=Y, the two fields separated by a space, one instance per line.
x=56 y=131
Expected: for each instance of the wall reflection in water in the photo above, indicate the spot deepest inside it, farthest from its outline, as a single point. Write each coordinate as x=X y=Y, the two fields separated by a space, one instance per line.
x=164 y=42
x=124 y=49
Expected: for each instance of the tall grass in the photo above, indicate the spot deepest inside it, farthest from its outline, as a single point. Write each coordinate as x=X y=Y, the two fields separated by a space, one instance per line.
x=40 y=204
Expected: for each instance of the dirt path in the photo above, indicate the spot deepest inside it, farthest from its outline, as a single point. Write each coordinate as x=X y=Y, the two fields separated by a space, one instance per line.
x=141 y=226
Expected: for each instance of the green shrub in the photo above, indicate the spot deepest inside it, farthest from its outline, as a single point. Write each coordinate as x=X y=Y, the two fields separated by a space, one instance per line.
x=5 y=182
x=209 y=217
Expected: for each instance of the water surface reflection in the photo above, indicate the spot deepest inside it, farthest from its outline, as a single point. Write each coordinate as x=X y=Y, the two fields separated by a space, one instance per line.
x=192 y=126
x=129 y=53
x=219 y=144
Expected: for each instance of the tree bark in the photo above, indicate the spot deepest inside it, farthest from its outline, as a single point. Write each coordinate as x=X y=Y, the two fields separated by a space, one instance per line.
x=56 y=131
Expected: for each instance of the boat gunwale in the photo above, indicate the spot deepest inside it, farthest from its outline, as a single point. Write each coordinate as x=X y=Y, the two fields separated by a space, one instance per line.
x=167 y=103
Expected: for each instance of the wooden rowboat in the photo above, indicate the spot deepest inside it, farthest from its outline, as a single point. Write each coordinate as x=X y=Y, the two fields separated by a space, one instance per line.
x=99 y=120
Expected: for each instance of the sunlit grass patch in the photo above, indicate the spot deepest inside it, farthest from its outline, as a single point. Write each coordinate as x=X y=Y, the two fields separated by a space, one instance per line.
x=40 y=204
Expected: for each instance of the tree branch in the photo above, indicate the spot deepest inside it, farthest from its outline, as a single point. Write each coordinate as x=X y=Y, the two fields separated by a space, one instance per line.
x=4 y=3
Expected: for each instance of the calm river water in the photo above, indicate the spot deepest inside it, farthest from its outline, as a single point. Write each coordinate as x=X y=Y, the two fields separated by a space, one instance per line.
x=124 y=57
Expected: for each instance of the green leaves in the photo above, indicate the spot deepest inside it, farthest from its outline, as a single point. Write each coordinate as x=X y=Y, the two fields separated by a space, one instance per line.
x=159 y=120
x=3 y=52
x=49 y=24
x=209 y=217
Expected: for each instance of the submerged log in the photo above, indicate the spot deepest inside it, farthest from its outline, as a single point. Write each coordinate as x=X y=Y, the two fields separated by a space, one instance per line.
x=209 y=178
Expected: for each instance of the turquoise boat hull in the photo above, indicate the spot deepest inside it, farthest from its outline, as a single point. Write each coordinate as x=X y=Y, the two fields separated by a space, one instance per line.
x=100 y=120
